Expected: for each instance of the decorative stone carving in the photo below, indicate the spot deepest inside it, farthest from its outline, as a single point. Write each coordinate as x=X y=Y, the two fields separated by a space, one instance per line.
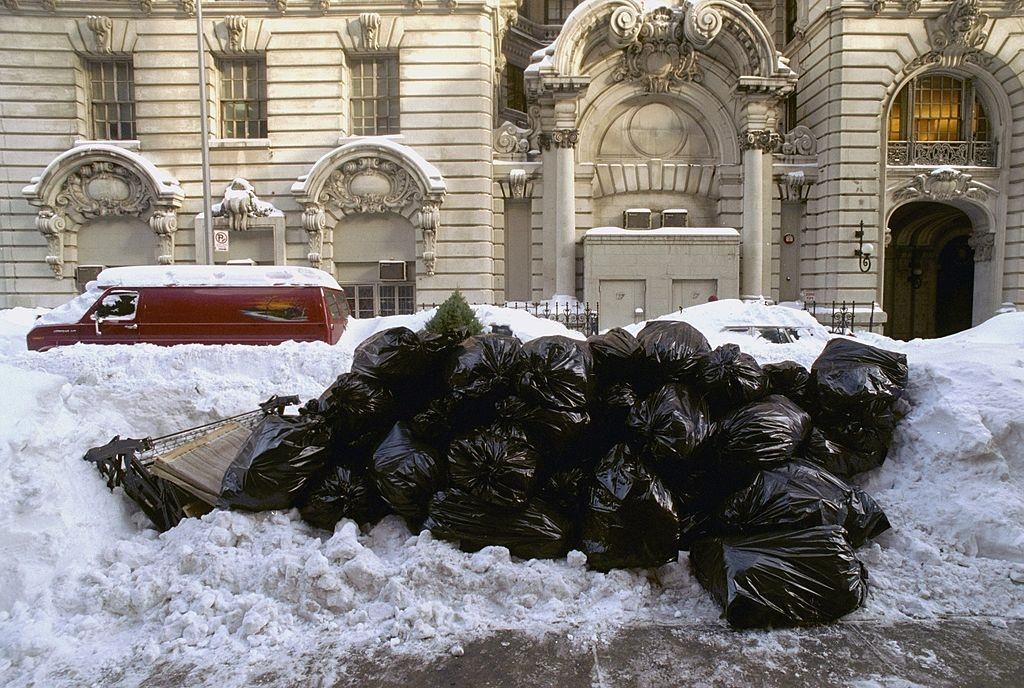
x=50 y=5
x=314 y=222
x=624 y=26
x=369 y=30
x=1014 y=5
x=11 y=4
x=280 y=5
x=102 y=31
x=189 y=7
x=428 y=219
x=800 y=141
x=543 y=141
x=371 y=185
x=565 y=138
x=912 y=6
x=660 y=56
x=877 y=6
x=164 y=223
x=517 y=183
x=240 y=204
x=956 y=36
x=703 y=24
x=416 y=5
x=451 y=5
x=766 y=140
x=942 y=184
x=982 y=242
x=235 y=26
x=146 y=6
x=101 y=189
x=511 y=141
x=52 y=226
x=794 y=185
x=324 y=5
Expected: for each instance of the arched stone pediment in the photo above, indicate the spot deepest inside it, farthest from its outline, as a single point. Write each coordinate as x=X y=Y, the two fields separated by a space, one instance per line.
x=371 y=175
x=692 y=25
x=102 y=180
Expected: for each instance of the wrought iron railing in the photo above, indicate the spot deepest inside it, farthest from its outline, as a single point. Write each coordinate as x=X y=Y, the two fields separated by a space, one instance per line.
x=578 y=316
x=843 y=315
x=961 y=153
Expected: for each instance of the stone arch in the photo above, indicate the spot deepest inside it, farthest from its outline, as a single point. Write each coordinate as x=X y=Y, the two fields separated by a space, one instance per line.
x=102 y=180
x=371 y=175
x=618 y=23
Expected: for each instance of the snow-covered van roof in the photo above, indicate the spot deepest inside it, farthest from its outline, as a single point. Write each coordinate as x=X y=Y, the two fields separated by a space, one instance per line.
x=215 y=276
x=186 y=276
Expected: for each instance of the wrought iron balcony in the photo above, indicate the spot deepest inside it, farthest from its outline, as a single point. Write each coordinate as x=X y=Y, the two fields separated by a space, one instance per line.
x=932 y=153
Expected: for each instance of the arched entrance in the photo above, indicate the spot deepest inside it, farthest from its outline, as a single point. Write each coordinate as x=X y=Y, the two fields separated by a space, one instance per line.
x=929 y=271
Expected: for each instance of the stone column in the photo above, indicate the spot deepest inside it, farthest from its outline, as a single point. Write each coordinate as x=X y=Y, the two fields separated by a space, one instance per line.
x=754 y=143
x=564 y=141
x=549 y=180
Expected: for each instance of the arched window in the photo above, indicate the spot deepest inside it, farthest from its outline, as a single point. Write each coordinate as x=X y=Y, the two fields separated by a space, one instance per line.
x=939 y=119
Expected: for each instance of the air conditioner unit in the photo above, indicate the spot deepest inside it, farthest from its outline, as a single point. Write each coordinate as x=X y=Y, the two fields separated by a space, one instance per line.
x=675 y=217
x=391 y=270
x=87 y=273
x=241 y=261
x=636 y=218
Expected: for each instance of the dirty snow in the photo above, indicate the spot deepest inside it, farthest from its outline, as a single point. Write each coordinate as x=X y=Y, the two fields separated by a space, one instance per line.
x=93 y=596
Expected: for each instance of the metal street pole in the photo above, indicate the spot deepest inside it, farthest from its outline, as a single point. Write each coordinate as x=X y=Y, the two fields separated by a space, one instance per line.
x=204 y=133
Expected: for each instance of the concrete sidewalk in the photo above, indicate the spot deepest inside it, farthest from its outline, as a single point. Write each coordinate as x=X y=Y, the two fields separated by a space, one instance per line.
x=953 y=653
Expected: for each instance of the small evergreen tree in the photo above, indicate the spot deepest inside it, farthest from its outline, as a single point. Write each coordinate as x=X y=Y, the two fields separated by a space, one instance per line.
x=454 y=314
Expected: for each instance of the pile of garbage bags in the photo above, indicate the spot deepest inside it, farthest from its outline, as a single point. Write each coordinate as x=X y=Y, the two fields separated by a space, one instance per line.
x=627 y=448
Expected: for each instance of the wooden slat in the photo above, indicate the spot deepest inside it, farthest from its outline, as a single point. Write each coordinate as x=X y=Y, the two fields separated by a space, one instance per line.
x=199 y=466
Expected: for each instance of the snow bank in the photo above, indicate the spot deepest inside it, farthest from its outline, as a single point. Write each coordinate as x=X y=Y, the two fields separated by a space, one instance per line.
x=91 y=595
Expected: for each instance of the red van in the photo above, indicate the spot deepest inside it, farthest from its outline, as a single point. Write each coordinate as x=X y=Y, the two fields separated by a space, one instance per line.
x=199 y=304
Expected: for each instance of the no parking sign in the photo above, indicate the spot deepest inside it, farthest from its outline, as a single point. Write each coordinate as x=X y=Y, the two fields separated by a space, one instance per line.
x=220 y=240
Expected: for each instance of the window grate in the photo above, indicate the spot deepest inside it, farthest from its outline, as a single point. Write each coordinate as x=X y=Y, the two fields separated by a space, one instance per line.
x=375 y=105
x=112 y=99
x=243 y=97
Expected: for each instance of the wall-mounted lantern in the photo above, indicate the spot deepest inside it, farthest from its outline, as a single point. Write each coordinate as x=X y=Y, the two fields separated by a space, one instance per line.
x=863 y=251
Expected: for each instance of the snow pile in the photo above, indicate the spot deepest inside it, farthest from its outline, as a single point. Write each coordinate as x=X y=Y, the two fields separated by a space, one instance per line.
x=92 y=595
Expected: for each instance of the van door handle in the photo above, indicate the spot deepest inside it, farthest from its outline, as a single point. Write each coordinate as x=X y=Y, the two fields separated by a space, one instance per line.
x=133 y=326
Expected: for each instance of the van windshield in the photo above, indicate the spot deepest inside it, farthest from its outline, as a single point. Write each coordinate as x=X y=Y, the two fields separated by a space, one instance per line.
x=334 y=305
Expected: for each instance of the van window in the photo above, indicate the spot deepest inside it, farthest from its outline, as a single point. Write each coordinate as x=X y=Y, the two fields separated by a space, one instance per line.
x=119 y=305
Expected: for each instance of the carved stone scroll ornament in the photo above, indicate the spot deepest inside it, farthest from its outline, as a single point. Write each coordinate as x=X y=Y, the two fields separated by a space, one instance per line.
x=240 y=204
x=314 y=222
x=800 y=141
x=371 y=185
x=146 y=6
x=50 y=5
x=766 y=140
x=565 y=138
x=189 y=7
x=325 y=6
x=660 y=57
x=983 y=243
x=450 y=5
x=164 y=223
x=428 y=219
x=280 y=5
x=702 y=25
x=235 y=26
x=102 y=31
x=517 y=183
x=511 y=141
x=52 y=226
x=943 y=184
x=956 y=36
x=369 y=30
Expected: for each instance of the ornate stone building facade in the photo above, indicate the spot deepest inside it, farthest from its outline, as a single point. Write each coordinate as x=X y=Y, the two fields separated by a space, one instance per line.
x=642 y=155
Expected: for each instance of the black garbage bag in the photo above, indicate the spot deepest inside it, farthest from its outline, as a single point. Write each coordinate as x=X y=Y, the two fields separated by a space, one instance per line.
x=390 y=356
x=496 y=465
x=849 y=447
x=671 y=352
x=566 y=490
x=557 y=373
x=359 y=410
x=797 y=496
x=792 y=380
x=272 y=467
x=407 y=472
x=670 y=427
x=438 y=348
x=854 y=379
x=341 y=493
x=533 y=531
x=730 y=378
x=781 y=578
x=618 y=356
x=435 y=423
x=629 y=518
x=483 y=370
x=762 y=434
x=554 y=430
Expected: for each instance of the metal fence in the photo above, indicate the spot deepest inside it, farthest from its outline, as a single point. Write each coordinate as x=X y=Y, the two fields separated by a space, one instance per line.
x=845 y=316
x=577 y=316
